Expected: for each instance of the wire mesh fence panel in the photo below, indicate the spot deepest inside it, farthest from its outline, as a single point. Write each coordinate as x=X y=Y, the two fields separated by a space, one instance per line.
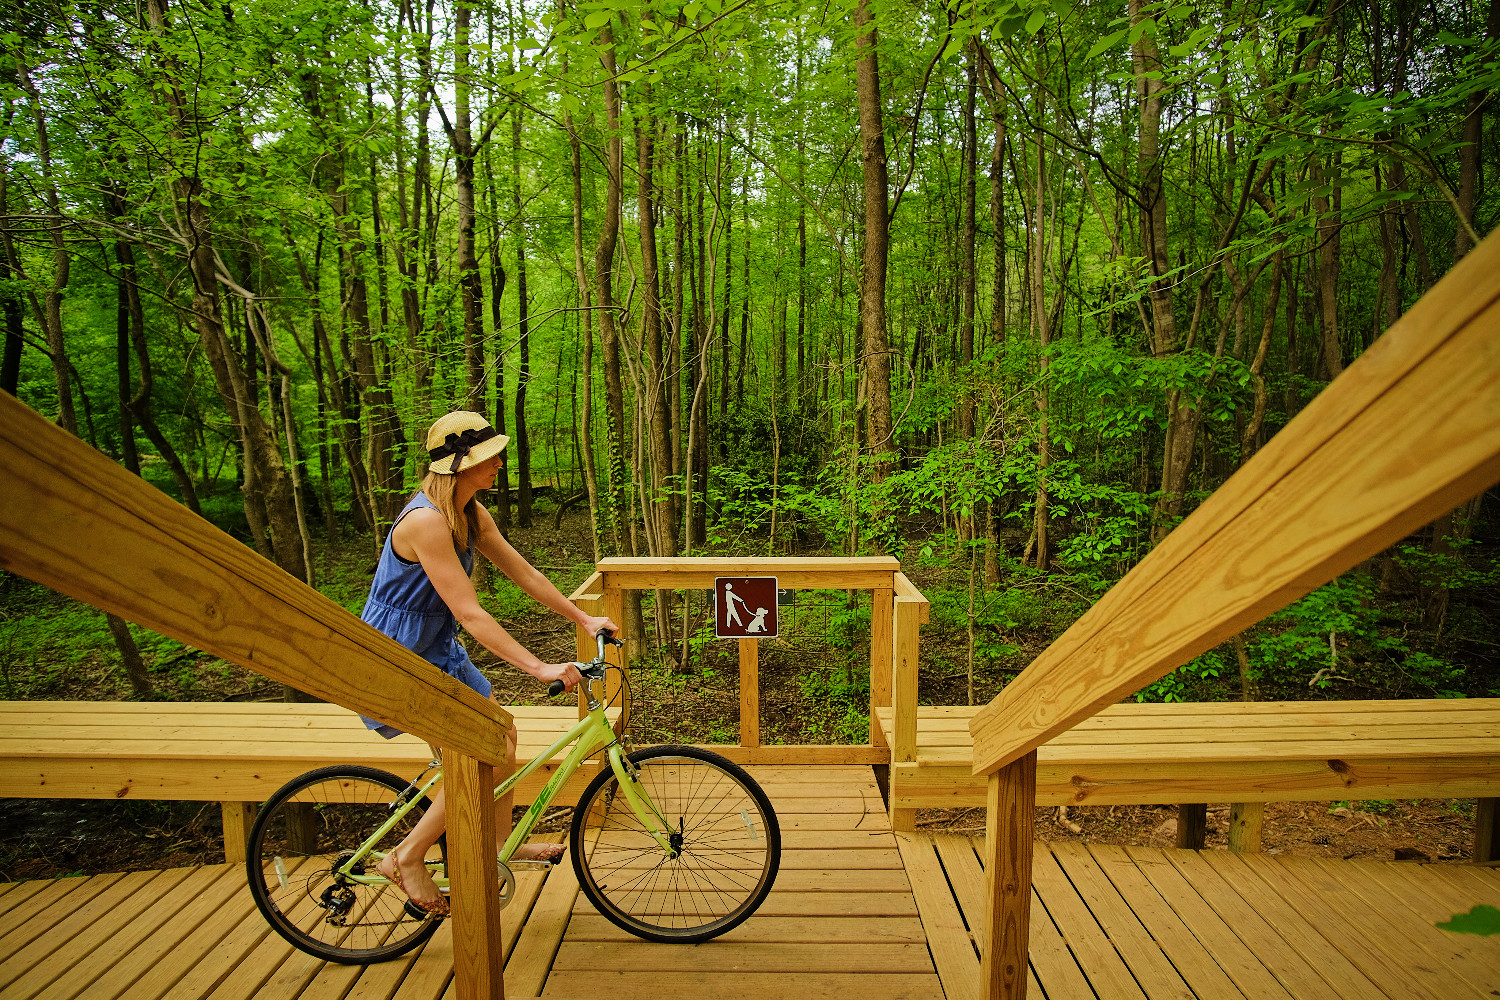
x=814 y=675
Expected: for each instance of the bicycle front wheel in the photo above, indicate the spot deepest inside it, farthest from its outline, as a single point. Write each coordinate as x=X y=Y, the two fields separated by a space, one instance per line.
x=721 y=825
x=303 y=835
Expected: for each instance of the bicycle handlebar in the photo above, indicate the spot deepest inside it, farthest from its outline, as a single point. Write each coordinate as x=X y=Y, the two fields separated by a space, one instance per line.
x=605 y=636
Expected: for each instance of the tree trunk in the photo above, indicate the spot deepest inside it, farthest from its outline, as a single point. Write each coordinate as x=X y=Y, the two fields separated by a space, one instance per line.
x=497 y=326
x=659 y=504
x=968 y=228
x=1468 y=153
x=585 y=302
x=523 y=332
x=1151 y=197
x=604 y=255
x=876 y=348
x=1042 y=319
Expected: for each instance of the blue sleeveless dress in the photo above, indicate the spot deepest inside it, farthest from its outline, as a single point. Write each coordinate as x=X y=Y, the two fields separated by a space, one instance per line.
x=404 y=605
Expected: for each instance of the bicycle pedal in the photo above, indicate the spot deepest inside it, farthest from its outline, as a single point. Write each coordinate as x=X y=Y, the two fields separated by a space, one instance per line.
x=533 y=866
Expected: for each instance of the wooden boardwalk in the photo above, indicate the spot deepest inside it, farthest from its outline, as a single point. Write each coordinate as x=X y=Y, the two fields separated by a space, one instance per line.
x=840 y=922
x=856 y=912
x=1117 y=922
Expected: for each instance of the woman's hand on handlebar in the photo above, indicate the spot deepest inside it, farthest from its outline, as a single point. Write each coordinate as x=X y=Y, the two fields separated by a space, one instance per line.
x=593 y=625
x=565 y=672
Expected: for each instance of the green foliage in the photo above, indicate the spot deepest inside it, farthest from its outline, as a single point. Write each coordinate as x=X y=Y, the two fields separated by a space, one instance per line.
x=1199 y=680
x=845 y=697
x=1340 y=633
x=1482 y=919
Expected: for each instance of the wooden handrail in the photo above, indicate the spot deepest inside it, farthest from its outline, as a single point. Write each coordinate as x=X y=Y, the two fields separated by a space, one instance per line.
x=897 y=608
x=1410 y=430
x=75 y=521
x=698 y=572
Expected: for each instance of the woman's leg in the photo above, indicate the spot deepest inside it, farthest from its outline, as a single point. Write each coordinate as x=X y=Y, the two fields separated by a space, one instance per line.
x=404 y=864
x=504 y=809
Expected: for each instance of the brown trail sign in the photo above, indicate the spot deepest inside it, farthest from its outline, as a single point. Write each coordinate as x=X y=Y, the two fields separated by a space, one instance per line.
x=745 y=607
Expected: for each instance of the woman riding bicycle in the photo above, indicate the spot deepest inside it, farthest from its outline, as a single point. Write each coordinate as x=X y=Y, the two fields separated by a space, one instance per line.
x=422 y=592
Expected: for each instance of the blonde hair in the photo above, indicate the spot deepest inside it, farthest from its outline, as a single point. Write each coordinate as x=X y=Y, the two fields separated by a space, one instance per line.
x=440 y=489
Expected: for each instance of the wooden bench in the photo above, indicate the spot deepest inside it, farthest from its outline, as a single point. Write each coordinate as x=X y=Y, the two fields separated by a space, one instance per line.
x=1244 y=753
x=236 y=754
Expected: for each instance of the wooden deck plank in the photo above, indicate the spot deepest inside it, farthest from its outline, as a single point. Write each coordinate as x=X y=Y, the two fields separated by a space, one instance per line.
x=1247 y=946
x=1153 y=971
x=1052 y=966
x=1412 y=920
x=964 y=870
x=954 y=952
x=841 y=858
x=184 y=939
x=1187 y=946
x=1240 y=886
x=13 y=894
x=33 y=921
x=746 y=984
x=1369 y=946
x=1096 y=955
x=264 y=960
x=1430 y=885
x=769 y=928
x=248 y=931
x=30 y=941
x=432 y=973
x=95 y=950
x=1052 y=961
x=381 y=980
x=1480 y=884
x=731 y=956
x=531 y=959
x=802 y=839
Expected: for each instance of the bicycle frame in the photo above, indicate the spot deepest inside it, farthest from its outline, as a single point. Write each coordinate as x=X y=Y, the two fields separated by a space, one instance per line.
x=589 y=734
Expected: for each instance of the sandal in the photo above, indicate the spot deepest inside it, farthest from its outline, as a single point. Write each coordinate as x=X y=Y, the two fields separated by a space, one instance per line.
x=550 y=853
x=437 y=909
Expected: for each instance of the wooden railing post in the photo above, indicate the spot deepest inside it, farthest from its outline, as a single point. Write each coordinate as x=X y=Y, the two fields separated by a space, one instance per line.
x=478 y=961
x=238 y=818
x=904 y=648
x=614 y=608
x=1245 y=822
x=1009 y=817
x=1192 y=825
x=881 y=628
x=749 y=692
x=588 y=599
x=1485 y=846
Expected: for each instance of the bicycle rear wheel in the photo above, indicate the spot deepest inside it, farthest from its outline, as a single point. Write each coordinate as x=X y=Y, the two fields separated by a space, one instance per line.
x=302 y=834
x=722 y=825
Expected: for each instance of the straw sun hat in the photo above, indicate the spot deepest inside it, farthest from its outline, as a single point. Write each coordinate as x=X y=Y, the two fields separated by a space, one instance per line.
x=462 y=439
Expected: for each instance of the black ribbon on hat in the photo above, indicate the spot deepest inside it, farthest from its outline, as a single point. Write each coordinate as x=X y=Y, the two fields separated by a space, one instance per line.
x=459 y=445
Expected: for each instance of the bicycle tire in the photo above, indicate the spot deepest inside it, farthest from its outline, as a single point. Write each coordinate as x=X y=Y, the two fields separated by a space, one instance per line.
x=300 y=834
x=730 y=847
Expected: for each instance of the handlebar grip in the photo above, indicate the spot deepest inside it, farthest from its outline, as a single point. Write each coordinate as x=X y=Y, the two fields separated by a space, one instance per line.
x=556 y=688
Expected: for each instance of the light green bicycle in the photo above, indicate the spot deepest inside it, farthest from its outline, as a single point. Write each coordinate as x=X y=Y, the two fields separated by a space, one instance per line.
x=671 y=843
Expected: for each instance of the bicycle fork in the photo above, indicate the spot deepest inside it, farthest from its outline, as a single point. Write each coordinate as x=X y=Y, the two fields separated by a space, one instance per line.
x=641 y=804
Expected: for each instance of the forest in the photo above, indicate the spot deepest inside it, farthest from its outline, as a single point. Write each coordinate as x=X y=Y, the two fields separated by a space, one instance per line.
x=1003 y=289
